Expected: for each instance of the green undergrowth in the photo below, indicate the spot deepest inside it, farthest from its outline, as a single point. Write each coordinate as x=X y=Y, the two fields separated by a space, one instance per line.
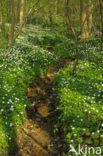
x=81 y=104
x=88 y=49
x=24 y=63
x=43 y=37
x=81 y=118
x=80 y=95
x=61 y=44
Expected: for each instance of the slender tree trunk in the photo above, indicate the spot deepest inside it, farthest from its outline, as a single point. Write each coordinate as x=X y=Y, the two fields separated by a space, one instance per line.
x=101 y=15
x=17 y=11
x=3 y=24
x=84 y=22
x=67 y=13
x=42 y=19
x=0 y=14
x=86 y=18
x=4 y=19
x=12 y=21
x=55 y=9
x=75 y=37
x=21 y=20
x=90 y=17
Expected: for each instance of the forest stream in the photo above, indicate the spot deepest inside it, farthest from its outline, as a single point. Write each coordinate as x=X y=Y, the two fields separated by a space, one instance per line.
x=36 y=137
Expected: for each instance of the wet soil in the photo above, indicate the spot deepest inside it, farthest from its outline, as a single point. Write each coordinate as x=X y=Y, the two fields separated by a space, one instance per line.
x=36 y=137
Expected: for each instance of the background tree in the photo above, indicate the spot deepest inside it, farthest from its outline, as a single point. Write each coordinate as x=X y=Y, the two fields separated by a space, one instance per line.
x=101 y=17
x=86 y=16
x=12 y=21
x=22 y=3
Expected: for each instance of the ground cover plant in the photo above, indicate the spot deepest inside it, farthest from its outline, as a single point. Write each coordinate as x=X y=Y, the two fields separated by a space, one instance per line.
x=61 y=44
x=89 y=49
x=41 y=36
x=28 y=59
x=81 y=104
x=24 y=63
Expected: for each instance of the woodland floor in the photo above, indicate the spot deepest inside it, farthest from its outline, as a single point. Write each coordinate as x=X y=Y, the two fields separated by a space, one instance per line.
x=36 y=137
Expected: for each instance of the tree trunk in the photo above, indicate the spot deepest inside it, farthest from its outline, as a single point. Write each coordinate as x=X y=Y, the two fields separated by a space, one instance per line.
x=0 y=14
x=90 y=17
x=67 y=13
x=12 y=21
x=101 y=15
x=84 y=21
x=3 y=22
x=55 y=8
x=69 y=23
x=17 y=11
x=21 y=20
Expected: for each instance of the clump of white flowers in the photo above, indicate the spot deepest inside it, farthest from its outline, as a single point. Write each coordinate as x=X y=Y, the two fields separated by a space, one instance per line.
x=81 y=102
x=24 y=62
